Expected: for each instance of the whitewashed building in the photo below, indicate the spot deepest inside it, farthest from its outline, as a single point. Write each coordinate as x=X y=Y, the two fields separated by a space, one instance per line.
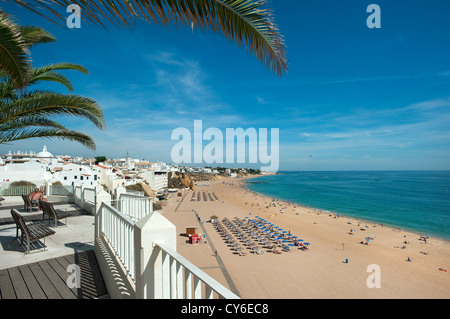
x=157 y=180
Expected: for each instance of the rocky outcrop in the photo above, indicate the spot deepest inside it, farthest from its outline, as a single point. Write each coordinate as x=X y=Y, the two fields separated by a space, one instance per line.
x=180 y=180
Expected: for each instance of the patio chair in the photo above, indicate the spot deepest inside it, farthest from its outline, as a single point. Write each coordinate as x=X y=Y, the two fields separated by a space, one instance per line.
x=28 y=204
x=32 y=232
x=52 y=213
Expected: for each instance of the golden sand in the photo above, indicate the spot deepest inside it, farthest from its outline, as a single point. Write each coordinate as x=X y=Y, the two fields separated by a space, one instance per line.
x=322 y=270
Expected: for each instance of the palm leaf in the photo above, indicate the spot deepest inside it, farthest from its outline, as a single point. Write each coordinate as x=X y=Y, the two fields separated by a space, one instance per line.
x=29 y=121
x=15 y=61
x=46 y=73
x=247 y=22
x=53 y=77
x=44 y=132
x=41 y=104
x=35 y=35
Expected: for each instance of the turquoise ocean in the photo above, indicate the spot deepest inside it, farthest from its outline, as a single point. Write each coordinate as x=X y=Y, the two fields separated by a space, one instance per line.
x=418 y=201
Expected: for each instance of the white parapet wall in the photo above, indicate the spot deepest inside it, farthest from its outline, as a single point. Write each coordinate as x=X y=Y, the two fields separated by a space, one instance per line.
x=150 y=231
x=138 y=258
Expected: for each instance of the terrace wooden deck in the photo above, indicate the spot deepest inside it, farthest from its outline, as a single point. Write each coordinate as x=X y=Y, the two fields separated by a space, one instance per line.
x=48 y=279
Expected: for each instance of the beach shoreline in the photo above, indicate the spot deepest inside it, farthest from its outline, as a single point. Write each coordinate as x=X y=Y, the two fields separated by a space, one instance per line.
x=335 y=266
x=361 y=219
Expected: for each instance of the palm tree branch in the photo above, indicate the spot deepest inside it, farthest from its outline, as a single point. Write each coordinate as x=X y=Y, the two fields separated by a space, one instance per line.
x=35 y=35
x=14 y=55
x=245 y=21
x=29 y=121
x=53 y=77
x=45 y=73
x=43 y=103
x=44 y=132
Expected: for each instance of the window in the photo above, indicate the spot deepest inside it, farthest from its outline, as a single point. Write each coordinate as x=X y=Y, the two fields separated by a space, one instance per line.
x=65 y=178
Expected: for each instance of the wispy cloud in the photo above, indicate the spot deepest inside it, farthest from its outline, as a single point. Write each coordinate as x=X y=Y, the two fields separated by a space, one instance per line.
x=371 y=135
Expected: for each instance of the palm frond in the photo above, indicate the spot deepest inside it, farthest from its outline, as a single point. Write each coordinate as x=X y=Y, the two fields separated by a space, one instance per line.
x=41 y=103
x=30 y=121
x=53 y=77
x=45 y=73
x=63 y=66
x=44 y=132
x=15 y=61
x=35 y=35
x=249 y=23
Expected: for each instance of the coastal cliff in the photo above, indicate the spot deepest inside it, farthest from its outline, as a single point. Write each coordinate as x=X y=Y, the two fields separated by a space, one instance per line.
x=182 y=180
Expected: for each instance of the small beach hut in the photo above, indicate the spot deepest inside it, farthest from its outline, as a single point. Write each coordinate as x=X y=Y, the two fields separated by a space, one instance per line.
x=213 y=218
x=191 y=230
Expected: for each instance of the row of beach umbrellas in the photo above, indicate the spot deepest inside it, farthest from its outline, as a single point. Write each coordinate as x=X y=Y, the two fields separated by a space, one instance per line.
x=258 y=231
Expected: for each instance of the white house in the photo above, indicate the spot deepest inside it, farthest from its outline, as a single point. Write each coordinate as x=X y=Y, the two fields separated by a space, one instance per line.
x=109 y=176
x=69 y=173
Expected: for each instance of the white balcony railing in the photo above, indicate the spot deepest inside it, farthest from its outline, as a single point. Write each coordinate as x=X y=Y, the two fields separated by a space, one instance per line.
x=134 y=206
x=180 y=279
x=88 y=194
x=118 y=229
x=147 y=251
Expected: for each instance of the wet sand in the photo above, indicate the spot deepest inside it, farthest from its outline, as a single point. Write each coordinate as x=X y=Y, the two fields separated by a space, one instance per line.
x=319 y=272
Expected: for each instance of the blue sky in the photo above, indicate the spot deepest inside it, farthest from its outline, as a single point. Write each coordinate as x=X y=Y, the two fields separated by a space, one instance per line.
x=354 y=98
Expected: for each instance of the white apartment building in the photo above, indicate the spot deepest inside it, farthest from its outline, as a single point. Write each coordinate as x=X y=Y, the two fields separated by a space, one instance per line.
x=157 y=180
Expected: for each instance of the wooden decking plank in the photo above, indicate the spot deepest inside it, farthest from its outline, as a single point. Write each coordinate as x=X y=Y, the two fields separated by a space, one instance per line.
x=92 y=285
x=48 y=267
x=32 y=284
x=19 y=284
x=48 y=279
x=64 y=263
x=96 y=273
x=47 y=286
x=6 y=286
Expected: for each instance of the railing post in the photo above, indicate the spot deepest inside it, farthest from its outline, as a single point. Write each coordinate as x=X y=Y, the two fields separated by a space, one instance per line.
x=173 y=278
x=197 y=288
x=149 y=231
x=165 y=269
x=209 y=293
x=187 y=283
x=179 y=279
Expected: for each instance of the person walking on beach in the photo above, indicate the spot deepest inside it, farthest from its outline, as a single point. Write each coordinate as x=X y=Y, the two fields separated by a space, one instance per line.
x=215 y=253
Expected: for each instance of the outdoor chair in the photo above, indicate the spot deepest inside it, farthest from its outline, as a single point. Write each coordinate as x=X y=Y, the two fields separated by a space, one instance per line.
x=52 y=213
x=32 y=232
x=28 y=204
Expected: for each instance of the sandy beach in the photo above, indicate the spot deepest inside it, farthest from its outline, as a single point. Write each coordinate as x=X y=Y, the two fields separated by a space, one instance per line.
x=322 y=271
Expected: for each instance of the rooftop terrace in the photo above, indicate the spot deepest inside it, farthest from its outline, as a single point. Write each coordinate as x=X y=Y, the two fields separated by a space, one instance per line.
x=43 y=273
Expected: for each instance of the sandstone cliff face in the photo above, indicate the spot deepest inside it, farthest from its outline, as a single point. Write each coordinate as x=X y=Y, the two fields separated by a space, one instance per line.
x=180 y=180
